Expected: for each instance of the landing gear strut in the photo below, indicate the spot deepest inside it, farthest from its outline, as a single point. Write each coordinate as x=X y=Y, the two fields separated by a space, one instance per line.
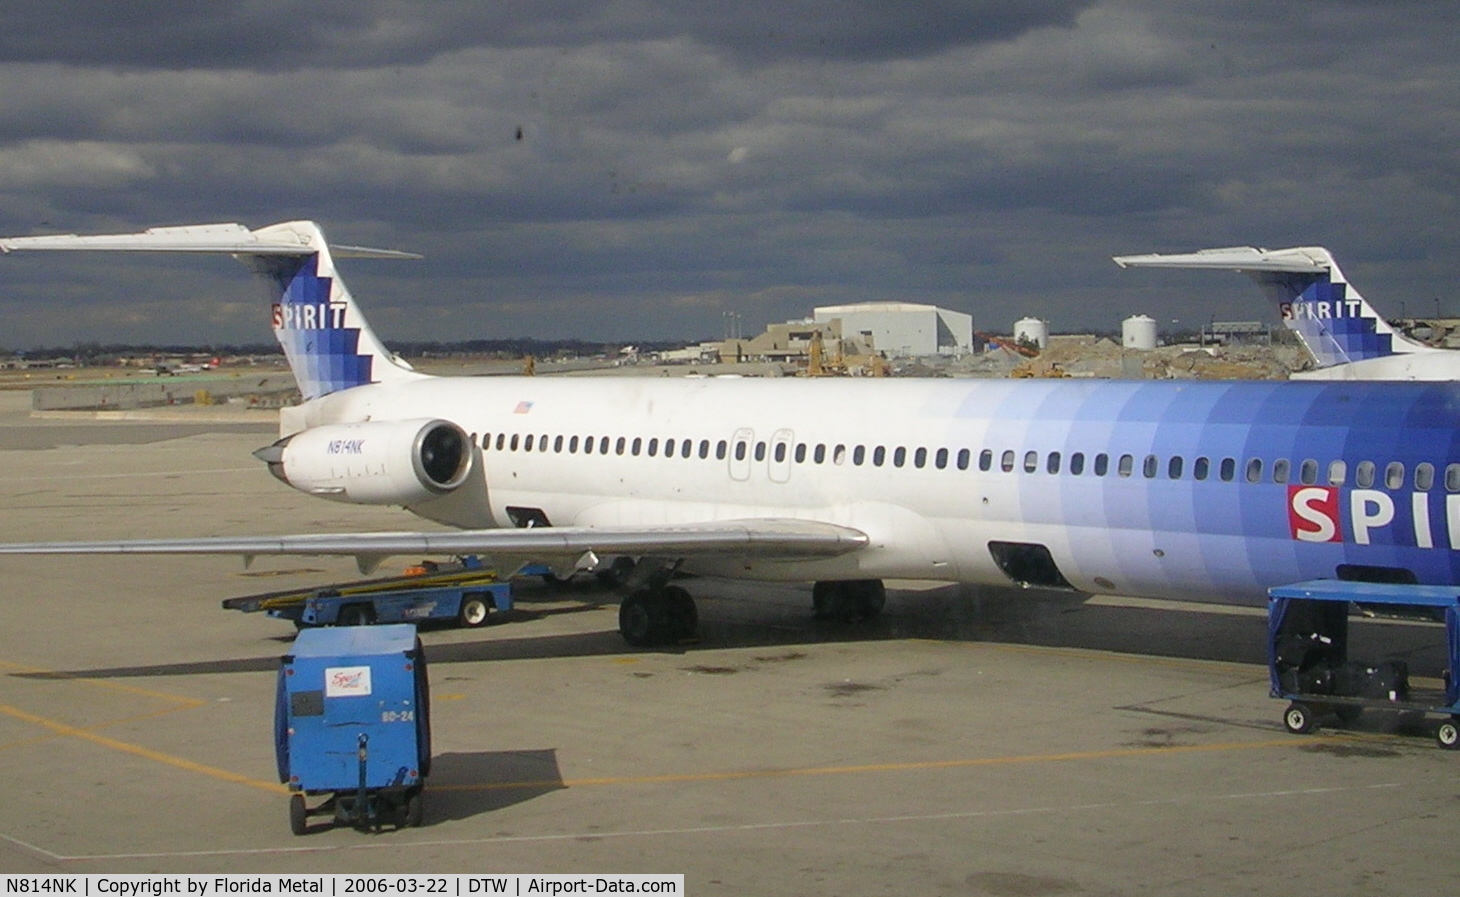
x=847 y=601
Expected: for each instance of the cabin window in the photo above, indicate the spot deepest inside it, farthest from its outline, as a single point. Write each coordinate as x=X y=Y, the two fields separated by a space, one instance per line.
x=1149 y=466
x=1228 y=469
x=1337 y=473
x=1006 y=461
x=558 y=444
x=1125 y=465
x=1254 y=470
x=1031 y=462
x=760 y=451
x=839 y=455
x=800 y=453
x=573 y=446
x=721 y=449
x=686 y=448
x=1200 y=468
x=920 y=458
x=899 y=456
x=819 y=454
x=542 y=443
x=985 y=459
x=1452 y=477
x=879 y=455
x=1394 y=475
x=704 y=449
x=859 y=455
x=1424 y=476
x=1308 y=472
x=501 y=437
x=514 y=442
x=527 y=443
x=1102 y=464
x=1052 y=463
x=636 y=446
x=740 y=448
x=1280 y=469
x=1364 y=474
x=963 y=456
x=780 y=452
x=618 y=447
x=1077 y=463
x=603 y=446
x=486 y=441
x=940 y=459
x=653 y=446
x=1173 y=468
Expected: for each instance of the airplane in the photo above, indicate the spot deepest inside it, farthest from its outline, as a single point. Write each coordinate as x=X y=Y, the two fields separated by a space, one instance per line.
x=1346 y=337
x=1202 y=490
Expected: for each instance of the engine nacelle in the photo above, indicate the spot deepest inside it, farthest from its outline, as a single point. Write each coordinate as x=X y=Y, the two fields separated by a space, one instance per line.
x=376 y=463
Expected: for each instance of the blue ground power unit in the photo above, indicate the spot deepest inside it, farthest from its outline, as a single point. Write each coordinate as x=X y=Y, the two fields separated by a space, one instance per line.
x=352 y=723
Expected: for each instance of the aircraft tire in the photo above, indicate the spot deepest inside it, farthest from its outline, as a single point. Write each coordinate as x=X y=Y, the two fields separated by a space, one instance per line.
x=684 y=617
x=871 y=597
x=643 y=619
x=824 y=599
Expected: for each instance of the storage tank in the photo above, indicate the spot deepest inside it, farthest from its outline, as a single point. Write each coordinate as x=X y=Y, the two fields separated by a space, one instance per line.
x=1138 y=332
x=1034 y=330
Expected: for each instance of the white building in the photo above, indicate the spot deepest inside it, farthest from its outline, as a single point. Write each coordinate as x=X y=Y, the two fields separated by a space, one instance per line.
x=903 y=328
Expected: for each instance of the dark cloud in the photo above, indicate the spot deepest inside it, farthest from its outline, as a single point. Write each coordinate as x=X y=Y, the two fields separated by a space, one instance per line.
x=679 y=160
x=267 y=34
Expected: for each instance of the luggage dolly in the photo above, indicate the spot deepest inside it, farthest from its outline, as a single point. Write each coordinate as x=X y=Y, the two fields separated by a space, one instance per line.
x=1308 y=663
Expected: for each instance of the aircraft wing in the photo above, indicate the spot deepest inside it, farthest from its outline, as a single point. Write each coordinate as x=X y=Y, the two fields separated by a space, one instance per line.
x=771 y=538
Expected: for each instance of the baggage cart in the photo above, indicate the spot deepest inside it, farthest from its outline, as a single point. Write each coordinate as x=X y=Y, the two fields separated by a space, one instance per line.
x=464 y=593
x=1309 y=663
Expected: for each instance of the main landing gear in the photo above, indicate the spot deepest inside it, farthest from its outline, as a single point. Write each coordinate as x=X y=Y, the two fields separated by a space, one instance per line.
x=657 y=613
x=847 y=601
x=657 y=616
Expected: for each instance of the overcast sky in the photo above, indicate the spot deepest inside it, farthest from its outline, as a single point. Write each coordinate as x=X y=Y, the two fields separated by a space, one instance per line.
x=637 y=170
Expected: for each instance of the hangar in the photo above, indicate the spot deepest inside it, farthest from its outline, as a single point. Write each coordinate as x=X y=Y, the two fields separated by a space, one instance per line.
x=900 y=329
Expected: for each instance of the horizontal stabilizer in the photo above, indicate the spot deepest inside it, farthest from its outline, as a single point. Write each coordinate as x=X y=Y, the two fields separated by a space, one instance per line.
x=1300 y=260
x=228 y=238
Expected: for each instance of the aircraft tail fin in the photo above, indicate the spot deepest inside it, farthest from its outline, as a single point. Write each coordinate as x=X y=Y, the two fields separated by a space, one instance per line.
x=323 y=333
x=1315 y=300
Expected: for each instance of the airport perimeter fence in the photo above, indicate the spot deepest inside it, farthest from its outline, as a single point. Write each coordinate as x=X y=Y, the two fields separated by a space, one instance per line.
x=254 y=390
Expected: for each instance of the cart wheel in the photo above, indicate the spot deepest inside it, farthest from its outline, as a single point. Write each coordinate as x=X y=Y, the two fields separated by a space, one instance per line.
x=356 y=615
x=474 y=611
x=1348 y=714
x=298 y=814
x=1298 y=719
x=1448 y=735
x=415 y=812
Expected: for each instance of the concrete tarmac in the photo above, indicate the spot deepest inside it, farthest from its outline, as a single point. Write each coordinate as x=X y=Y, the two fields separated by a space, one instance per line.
x=967 y=742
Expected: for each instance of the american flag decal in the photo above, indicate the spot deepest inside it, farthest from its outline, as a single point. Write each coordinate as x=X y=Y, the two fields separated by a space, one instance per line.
x=522 y=408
